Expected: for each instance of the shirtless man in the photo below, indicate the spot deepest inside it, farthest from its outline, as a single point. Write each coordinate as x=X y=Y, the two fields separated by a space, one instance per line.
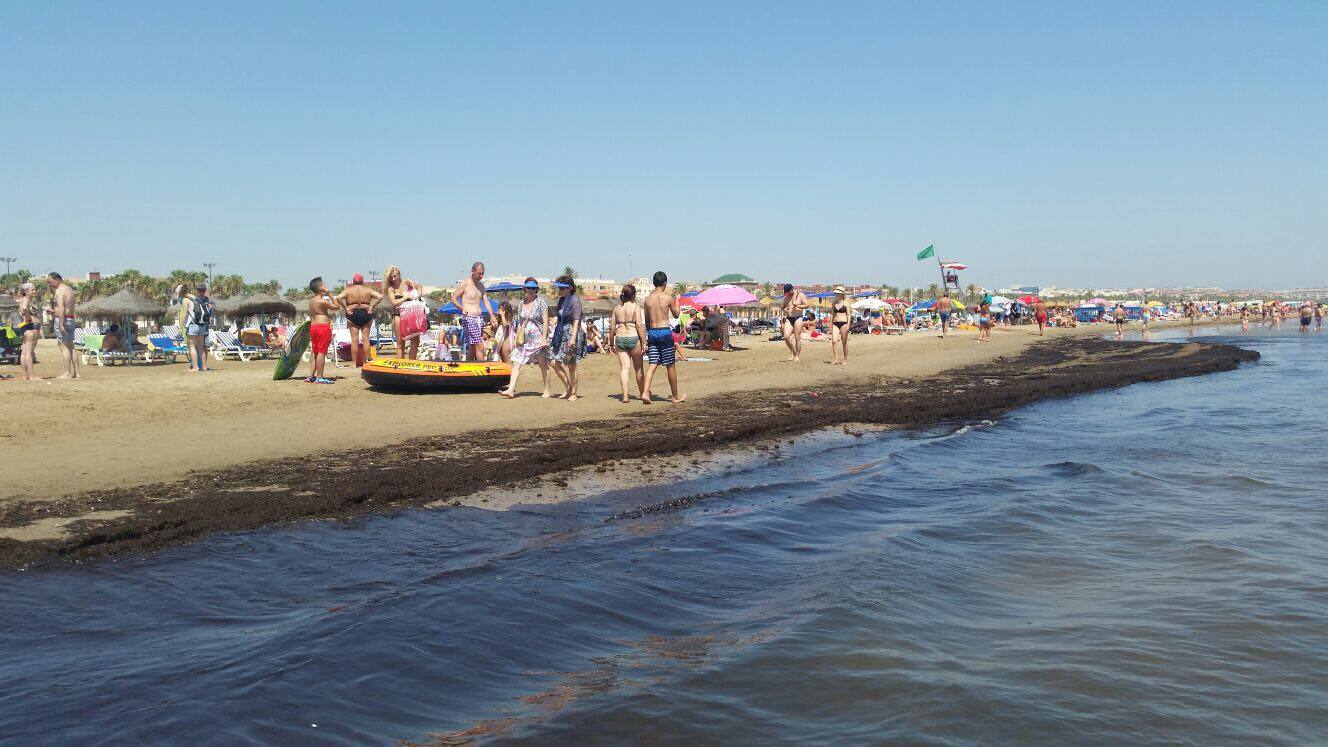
x=469 y=297
x=359 y=301
x=321 y=308
x=1119 y=315
x=943 y=307
x=63 y=297
x=1040 y=313
x=790 y=311
x=659 y=306
x=1306 y=316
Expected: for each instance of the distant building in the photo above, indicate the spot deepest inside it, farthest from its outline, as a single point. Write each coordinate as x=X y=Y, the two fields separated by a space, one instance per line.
x=735 y=278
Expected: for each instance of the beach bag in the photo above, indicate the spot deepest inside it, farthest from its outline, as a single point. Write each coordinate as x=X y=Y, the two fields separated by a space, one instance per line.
x=414 y=319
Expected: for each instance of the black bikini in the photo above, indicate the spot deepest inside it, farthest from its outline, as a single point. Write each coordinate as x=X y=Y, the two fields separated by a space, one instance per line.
x=359 y=317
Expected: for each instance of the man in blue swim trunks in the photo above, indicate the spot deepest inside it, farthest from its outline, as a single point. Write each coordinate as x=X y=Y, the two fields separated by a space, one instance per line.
x=660 y=305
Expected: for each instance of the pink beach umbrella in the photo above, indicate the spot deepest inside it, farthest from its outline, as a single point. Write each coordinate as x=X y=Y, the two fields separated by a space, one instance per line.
x=1098 y=302
x=724 y=295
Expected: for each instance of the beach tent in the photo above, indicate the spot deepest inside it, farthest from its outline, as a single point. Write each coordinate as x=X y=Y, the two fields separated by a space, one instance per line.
x=1088 y=312
x=451 y=308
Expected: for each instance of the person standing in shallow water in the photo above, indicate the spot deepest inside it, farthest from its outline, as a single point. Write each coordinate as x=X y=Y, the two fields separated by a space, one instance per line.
x=660 y=307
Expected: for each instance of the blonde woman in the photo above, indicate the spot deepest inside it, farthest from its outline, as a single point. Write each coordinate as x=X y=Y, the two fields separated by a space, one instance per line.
x=182 y=318
x=398 y=291
x=29 y=329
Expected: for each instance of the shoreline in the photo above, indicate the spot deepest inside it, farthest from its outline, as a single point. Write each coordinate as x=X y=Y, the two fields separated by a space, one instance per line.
x=455 y=469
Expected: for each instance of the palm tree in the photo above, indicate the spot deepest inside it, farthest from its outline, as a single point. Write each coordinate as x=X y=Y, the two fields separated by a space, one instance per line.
x=679 y=288
x=971 y=291
x=567 y=270
x=296 y=294
x=933 y=290
x=768 y=288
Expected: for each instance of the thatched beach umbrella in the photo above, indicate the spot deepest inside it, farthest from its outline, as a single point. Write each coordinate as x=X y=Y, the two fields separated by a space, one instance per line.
x=124 y=304
x=262 y=304
x=603 y=306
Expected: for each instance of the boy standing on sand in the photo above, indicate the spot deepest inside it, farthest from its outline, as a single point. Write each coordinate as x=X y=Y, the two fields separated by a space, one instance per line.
x=469 y=297
x=659 y=306
x=320 y=328
x=64 y=324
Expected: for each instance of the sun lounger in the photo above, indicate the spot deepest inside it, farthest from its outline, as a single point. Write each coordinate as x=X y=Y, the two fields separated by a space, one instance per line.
x=164 y=348
x=224 y=345
x=92 y=352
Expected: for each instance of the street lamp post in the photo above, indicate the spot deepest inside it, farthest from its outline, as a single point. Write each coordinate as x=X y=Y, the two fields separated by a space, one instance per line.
x=8 y=261
x=209 y=266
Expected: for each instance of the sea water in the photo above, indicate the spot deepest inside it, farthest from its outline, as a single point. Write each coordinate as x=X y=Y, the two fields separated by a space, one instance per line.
x=1147 y=564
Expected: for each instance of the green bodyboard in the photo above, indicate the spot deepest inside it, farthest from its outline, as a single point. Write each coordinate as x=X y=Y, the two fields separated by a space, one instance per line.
x=296 y=344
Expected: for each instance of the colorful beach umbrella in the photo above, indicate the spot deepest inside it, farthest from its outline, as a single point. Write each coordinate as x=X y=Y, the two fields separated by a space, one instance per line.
x=724 y=295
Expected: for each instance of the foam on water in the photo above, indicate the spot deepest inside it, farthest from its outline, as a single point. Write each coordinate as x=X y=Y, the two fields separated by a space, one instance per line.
x=1141 y=565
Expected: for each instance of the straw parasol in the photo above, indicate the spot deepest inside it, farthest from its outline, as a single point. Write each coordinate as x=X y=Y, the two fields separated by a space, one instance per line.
x=124 y=302
x=602 y=306
x=258 y=304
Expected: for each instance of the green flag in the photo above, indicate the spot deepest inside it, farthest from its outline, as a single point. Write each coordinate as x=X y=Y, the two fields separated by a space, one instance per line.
x=930 y=251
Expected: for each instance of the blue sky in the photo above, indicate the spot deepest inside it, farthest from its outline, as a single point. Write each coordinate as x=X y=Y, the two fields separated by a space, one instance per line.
x=1061 y=143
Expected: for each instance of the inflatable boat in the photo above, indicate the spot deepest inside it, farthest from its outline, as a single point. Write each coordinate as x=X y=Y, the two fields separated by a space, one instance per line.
x=436 y=376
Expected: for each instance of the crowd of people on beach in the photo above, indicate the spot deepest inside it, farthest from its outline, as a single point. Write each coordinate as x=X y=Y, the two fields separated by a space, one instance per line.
x=644 y=333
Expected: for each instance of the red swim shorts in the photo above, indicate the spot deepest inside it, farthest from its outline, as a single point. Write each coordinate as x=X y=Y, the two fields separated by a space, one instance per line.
x=1042 y=318
x=320 y=337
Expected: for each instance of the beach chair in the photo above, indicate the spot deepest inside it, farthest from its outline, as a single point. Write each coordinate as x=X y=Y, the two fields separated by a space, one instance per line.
x=163 y=347
x=173 y=331
x=224 y=345
x=92 y=352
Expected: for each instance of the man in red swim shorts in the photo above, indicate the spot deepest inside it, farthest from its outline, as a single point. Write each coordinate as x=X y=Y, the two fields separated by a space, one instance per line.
x=321 y=307
x=1040 y=311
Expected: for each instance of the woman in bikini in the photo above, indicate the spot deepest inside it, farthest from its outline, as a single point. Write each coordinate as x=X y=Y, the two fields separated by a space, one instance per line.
x=841 y=321
x=398 y=290
x=531 y=341
x=627 y=340
x=29 y=329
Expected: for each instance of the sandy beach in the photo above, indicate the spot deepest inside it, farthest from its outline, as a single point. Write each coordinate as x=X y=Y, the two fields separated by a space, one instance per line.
x=109 y=458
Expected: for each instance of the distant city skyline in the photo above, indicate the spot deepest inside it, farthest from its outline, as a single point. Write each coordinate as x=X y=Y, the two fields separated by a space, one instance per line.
x=1104 y=145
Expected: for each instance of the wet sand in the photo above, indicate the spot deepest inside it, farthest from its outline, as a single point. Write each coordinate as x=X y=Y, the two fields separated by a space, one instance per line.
x=180 y=456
